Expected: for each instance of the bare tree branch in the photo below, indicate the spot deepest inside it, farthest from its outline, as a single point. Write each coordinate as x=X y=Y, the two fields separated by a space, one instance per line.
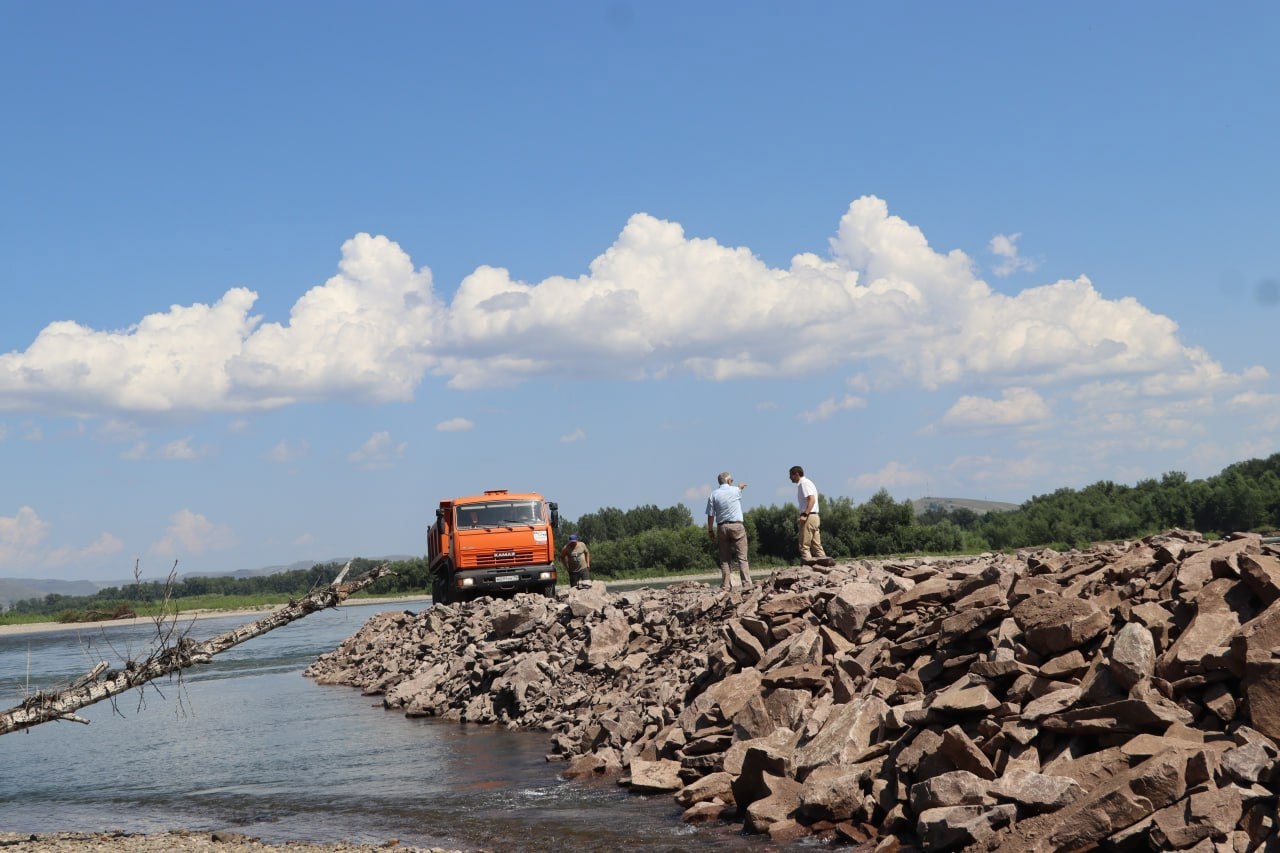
x=171 y=657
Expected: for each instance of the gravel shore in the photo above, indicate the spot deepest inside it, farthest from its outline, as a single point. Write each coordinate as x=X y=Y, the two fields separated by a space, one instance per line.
x=184 y=616
x=182 y=842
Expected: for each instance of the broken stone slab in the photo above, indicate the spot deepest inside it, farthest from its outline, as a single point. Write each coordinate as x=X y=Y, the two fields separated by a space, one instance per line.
x=1262 y=573
x=778 y=800
x=848 y=609
x=521 y=618
x=1036 y=792
x=714 y=787
x=847 y=732
x=964 y=699
x=607 y=639
x=804 y=676
x=1249 y=763
x=786 y=830
x=1203 y=815
x=1133 y=655
x=955 y=788
x=707 y=812
x=951 y=827
x=765 y=713
x=587 y=600
x=835 y=793
x=721 y=701
x=965 y=754
x=1195 y=570
x=1262 y=692
x=1127 y=798
x=1064 y=666
x=1053 y=624
x=960 y=625
x=780 y=744
x=591 y=764
x=1051 y=704
x=1221 y=608
x=655 y=776
x=743 y=645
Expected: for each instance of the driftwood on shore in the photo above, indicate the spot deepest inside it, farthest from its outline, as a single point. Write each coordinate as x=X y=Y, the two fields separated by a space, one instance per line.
x=174 y=653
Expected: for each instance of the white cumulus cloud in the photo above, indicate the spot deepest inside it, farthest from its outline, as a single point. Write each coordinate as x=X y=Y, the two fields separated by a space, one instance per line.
x=1005 y=246
x=192 y=533
x=830 y=406
x=285 y=453
x=894 y=477
x=1016 y=407
x=179 y=449
x=454 y=425
x=364 y=334
x=104 y=546
x=23 y=544
x=20 y=536
x=883 y=304
x=380 y=451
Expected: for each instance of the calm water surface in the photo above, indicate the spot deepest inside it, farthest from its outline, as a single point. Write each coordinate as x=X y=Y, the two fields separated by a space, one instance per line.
x=248 y=744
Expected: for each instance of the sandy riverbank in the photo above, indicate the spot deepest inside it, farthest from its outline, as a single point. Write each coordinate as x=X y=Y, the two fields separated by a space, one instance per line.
x=184 y=616
x=188 y=615
x=181 y=841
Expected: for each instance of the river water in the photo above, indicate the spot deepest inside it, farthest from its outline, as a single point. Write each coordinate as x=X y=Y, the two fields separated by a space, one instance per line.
x=246 y=743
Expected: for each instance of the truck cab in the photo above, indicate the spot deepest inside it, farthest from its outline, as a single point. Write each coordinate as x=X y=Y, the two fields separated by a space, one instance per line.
x=496 y=543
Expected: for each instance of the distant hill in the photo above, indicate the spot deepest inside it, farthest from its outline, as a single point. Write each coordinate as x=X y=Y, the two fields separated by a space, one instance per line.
x=301 y=565
x=19 y=589
x=923 y=505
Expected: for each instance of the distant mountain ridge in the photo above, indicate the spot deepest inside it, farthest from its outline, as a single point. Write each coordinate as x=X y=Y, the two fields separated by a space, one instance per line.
x=923 y=505
x=19 y=589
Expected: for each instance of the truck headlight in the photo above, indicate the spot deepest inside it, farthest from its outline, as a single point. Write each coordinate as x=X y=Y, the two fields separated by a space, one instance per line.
x=467 y=582
x=546 y=576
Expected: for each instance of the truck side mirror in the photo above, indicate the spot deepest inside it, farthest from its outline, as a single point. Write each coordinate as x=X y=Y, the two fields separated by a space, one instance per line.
x=555 y=514
x=439 y=514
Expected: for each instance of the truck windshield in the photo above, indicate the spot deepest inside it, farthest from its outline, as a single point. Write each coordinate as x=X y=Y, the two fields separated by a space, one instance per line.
x=479 y=516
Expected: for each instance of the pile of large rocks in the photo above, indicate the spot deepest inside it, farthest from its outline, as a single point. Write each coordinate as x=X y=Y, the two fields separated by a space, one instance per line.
x=1124 y=696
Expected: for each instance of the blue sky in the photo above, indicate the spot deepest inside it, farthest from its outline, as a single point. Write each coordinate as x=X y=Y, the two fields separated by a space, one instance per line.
x=279 y=277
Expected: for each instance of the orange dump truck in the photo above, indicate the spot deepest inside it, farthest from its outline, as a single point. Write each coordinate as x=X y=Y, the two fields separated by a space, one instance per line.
x=491 y=544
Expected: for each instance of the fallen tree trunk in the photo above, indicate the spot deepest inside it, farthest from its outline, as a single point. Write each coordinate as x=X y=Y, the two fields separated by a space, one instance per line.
x=99 y=683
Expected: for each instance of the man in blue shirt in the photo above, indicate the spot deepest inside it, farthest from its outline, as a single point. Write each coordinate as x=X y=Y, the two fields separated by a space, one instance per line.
x=727 y=531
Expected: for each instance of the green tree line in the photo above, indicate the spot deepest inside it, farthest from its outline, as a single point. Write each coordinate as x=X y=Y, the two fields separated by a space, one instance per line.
x=649 y=540
x=1243 y=497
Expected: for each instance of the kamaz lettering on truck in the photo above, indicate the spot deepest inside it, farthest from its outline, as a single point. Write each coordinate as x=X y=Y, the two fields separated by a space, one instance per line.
x=492 y=544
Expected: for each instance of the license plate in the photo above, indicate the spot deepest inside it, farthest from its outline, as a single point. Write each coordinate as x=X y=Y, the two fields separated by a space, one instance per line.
x=507 y=578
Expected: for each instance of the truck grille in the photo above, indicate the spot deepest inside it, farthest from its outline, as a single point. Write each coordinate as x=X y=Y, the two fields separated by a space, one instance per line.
x=507 y=557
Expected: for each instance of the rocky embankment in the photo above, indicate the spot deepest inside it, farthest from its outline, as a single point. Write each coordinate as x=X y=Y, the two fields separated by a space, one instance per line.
x=1122 y=697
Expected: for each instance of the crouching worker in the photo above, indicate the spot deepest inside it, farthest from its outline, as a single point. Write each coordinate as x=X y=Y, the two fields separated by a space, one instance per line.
x=577 y=559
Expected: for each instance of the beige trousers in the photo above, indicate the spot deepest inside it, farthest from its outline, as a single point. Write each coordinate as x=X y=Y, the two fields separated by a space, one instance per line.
x=731 y=543
x=811 y=538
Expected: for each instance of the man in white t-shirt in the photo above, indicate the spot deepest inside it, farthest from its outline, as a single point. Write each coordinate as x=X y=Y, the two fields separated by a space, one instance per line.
x=807 y=522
